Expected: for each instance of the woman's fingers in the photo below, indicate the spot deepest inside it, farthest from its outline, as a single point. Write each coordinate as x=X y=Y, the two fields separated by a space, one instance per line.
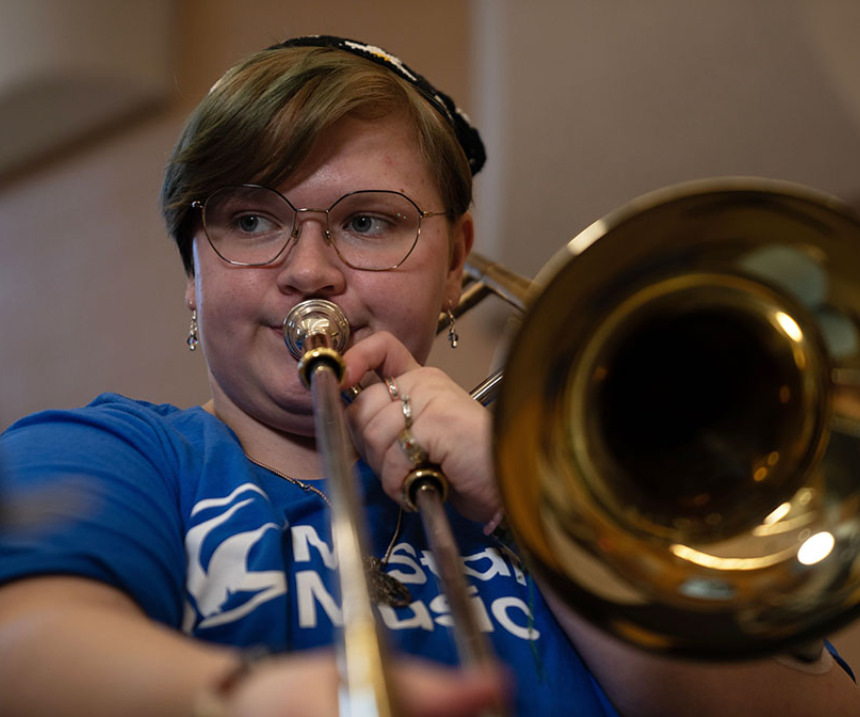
x=380 y=353
x=412 y=413
x=432 y=691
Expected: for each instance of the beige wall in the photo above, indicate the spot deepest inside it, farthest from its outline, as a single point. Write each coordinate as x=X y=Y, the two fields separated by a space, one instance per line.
x=598 y=103
x=584 y=105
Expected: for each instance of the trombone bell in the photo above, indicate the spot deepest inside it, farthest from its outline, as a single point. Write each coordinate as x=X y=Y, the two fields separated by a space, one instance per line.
x=677 y=437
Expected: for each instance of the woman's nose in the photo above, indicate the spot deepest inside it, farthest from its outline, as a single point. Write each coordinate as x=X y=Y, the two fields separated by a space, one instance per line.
x=311 y=265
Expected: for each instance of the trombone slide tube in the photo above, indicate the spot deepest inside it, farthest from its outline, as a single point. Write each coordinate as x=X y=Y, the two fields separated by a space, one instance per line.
x=471 y=645
x=365 y=687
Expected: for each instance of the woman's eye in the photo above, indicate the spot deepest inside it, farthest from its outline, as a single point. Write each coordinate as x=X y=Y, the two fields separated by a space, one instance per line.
x=254 y=224
x=366 y=224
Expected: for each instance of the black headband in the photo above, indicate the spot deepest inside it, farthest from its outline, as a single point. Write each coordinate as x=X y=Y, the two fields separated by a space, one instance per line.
x=467 y=135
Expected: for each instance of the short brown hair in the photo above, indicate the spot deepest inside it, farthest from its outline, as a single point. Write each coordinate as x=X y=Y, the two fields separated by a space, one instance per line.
x=261 y=119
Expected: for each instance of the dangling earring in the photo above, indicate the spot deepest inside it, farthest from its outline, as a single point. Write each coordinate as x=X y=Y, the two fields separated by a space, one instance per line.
x=453 y=336
x=193 y=334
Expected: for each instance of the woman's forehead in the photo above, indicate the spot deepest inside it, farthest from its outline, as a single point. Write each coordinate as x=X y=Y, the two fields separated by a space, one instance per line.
x=382 y=153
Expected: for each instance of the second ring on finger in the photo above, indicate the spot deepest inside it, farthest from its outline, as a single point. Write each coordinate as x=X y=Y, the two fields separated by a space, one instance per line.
x=406 y=407
x=409 y=445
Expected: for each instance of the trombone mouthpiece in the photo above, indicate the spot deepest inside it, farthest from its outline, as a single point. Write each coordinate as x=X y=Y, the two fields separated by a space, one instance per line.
x=316 y=331
x=312 y=318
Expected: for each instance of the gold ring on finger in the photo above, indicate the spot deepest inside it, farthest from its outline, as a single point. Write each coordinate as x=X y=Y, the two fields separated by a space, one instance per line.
x=393 y=391
x=411 y=448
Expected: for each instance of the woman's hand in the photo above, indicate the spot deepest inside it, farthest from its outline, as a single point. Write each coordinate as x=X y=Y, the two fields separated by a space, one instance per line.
x=452 y=428
x=307 y=685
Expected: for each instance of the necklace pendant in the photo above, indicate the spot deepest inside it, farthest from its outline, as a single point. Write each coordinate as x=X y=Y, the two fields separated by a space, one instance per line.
x=383 y=587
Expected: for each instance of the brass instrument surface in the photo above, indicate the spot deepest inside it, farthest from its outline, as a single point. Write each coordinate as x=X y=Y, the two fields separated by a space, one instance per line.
x=678 y=432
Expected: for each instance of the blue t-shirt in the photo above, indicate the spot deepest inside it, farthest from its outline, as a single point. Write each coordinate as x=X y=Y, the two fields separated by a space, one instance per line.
x=163 y=504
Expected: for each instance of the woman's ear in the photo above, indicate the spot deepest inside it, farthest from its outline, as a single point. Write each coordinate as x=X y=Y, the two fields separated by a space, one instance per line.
x=190 y=293
x=462 y=238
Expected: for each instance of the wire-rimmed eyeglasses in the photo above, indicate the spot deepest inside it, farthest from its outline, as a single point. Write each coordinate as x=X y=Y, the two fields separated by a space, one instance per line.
x=370 y=229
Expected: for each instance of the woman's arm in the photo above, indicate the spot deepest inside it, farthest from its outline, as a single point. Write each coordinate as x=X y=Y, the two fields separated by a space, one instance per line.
x=642 y=684
x=73 y=647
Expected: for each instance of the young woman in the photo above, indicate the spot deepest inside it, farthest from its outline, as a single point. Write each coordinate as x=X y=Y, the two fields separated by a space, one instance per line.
x=319 y=168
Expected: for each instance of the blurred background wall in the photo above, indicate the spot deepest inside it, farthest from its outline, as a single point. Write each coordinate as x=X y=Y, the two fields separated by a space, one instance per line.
x=583 y=106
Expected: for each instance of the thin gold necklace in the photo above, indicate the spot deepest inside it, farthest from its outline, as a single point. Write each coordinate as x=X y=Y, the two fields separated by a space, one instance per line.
x=306 y=487
x=383 y=587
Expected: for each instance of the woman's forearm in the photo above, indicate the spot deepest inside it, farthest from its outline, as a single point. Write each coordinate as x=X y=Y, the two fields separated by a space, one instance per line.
x=74 y=647
x=642 y=684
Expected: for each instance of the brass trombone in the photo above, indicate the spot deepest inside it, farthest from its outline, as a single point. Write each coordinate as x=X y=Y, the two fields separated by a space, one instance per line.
x=677 y=438
x=677 y=434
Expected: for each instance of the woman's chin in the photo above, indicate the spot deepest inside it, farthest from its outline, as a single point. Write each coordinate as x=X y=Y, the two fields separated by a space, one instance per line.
x=294 y=413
